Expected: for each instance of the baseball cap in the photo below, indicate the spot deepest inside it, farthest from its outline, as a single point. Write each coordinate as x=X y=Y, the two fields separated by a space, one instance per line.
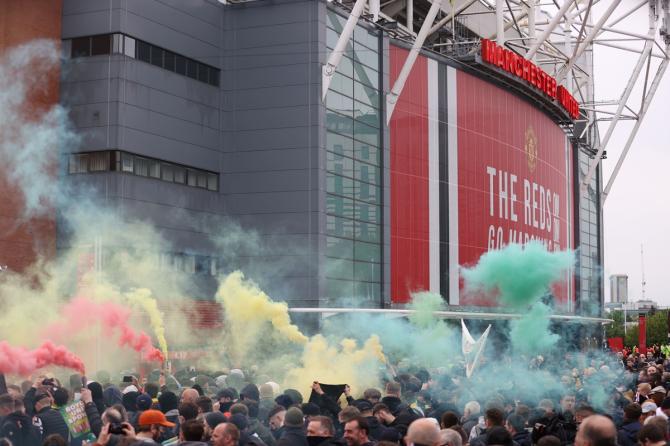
x=149 y=417
x=649 y=406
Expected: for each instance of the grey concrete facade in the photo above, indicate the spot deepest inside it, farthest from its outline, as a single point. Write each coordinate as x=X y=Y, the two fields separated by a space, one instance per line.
x=261 y=130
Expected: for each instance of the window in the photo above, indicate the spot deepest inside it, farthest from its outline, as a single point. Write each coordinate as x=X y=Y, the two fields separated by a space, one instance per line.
x=121 y=44
x=81 y=47
x=203 y=73
x=141 y=167
x=154 y=168
x=167 y=172
x=191 y=177
x=126 y=162
x=143 y=51
x=169 y=60
x=192 y=69
x=212 y=181
x=202 y=179
x=157 y=56
x=78 y=163
x=180 y=65
x=99 y=161
x=101 y=45
x=179 y=175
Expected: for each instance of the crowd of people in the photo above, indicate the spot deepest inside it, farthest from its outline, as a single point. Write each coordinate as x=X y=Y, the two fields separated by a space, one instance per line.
x=414 y=407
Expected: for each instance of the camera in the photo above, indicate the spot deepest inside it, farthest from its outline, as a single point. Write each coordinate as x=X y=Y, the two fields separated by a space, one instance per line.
x=116 y=428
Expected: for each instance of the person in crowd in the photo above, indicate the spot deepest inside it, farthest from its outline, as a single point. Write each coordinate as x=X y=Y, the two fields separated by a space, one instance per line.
x=189 y=396
x=373 y=395
x=630 y=425
x=15 y=425
x=49 y=419
x=212 y=420
x=471 y=413
x=356 y=432
x=648 y=410
x=516 y=426
x=225 y=434
x=151 y=425
x=276 y=418
x=376 y=430
x=492 y=417
x=321 y=432
x=596 y=430
x=424 y=431
x=192 y=433
x=294 y=434
x=652 y=435
x=449 y=437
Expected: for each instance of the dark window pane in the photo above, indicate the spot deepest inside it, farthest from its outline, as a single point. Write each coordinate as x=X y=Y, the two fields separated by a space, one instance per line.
x=81 y=47
x=214 y=77
x=101 y=45
x=192 y=69
x=191 y=177
x=179 y=174
x=180 y=65
x=154 y=169
x=167 y=172
x=203 y=73
x=169 y=61
x=202 y=180
x=212 y=181
x=157 y=56
x=143 y=51
x=141 y=167
x=99 y=161
x=127 y=162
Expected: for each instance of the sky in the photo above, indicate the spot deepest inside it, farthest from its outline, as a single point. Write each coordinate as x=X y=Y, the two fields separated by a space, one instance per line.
x=637 y=211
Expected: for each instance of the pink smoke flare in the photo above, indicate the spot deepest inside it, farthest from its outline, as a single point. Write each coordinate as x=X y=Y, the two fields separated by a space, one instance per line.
x=21 y=361
x=81 y=312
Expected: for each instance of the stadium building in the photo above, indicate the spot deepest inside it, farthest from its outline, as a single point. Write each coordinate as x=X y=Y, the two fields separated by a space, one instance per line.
x=379 y=146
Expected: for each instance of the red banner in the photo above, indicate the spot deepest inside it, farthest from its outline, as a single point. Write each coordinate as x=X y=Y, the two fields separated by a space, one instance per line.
x=642 y=334
x=616 y=344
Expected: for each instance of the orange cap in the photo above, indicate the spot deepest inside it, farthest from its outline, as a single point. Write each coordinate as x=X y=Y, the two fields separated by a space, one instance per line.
x=149 y=417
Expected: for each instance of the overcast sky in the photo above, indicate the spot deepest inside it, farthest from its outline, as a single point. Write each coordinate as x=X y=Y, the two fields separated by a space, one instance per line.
x=637 y=211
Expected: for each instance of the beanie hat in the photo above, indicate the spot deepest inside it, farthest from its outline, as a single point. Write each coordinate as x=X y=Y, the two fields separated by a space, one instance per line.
x=250 y=392
x=284 y=400
x=239 y=420
x=213 y=419
x=266 y=392
x=168 y=401
x=295 y=396
x=294 y=417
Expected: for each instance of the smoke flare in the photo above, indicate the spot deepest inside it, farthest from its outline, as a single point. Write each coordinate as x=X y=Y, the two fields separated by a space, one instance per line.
x=142 y=297
x=81 y=313
x=21 y=361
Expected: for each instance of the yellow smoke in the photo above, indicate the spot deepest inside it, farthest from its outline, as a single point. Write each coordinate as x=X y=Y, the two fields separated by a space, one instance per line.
x=143 y=298
x=345 y=363
x=247 y=309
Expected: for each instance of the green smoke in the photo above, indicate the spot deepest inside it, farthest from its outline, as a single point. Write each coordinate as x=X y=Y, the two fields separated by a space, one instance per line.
x=530 y=335
x=425 y=304
x=520 y=273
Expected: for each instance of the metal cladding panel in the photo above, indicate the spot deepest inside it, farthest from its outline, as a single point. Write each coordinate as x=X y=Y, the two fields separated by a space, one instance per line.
x=514 y=179
x=410 y=232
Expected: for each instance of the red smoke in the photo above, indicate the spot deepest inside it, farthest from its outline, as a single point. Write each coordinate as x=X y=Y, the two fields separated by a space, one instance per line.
x=81 y=312
x=21 y=361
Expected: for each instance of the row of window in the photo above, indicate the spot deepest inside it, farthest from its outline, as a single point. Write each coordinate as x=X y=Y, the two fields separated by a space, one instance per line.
x=120 y=161
x=144 y=51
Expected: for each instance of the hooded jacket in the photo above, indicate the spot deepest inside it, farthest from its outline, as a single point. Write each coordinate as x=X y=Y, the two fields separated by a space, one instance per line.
x=376 y=429
x=256 y=427
x=20 y=430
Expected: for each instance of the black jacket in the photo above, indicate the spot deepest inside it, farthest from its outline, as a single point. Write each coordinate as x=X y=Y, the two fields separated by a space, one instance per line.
x=376 y=429
x=293 y=436
x=523 y=438
x=325 y=441
x=20 y=430
x=94 y=419
x=256 y=427
x=628 y=433
x=53 y=423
